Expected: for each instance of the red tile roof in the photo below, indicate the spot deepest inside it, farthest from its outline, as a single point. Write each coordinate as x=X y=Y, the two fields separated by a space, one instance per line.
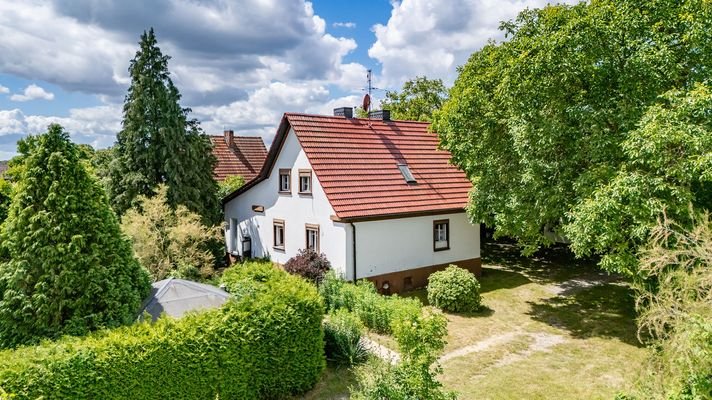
x=356 y=162
x=245 y=157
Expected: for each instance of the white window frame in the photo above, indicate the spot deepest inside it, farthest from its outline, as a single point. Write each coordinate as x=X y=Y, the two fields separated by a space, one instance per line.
x=441 y=235
x=313 y=230
x=305 y=174
x=282 y=174
x=278 y=225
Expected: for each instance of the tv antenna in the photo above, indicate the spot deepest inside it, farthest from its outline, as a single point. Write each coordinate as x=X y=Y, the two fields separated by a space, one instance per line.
x=369 y=89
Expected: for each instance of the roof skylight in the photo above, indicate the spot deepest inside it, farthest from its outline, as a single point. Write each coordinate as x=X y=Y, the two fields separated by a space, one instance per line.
x=407 y=175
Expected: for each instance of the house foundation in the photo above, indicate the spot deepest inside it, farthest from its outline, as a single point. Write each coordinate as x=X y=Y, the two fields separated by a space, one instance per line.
x=409 y=279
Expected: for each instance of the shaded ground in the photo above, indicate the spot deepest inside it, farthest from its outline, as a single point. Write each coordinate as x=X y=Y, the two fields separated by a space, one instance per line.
x=553 y=328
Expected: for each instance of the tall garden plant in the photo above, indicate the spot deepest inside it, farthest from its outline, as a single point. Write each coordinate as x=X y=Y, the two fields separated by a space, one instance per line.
x=65 y=266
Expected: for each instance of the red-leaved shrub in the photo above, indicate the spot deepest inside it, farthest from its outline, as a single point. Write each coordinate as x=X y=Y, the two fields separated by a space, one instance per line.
x=308 y=264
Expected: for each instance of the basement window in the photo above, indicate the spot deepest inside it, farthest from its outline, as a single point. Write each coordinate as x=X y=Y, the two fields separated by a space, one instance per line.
x=407 y=175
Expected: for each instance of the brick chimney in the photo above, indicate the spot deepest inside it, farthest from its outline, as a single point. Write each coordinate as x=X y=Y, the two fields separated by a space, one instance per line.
x=229 y=137
x=347 y=112
x=382 y=115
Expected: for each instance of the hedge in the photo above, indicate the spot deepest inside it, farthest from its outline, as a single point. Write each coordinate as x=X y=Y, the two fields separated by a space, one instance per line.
x=269 y=344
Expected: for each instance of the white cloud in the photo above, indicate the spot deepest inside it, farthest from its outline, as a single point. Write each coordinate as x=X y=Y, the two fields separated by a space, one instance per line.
x=348 y=25
x=33 y=92
x=432 y=38
x=93 y=125
x=4 y=90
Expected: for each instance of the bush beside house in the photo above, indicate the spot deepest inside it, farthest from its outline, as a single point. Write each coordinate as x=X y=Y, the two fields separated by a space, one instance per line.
x=455 y=289
x=267 y=345
x=308 y=264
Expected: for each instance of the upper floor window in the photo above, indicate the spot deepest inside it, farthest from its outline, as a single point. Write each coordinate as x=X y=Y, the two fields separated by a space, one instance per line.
x=285 y=181
x=305 y=181
x=312 y=237
x=441 y=235
x=278 y=227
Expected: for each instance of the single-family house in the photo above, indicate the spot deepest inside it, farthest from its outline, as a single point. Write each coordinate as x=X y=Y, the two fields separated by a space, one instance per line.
x=237 y=155
x=375 y=195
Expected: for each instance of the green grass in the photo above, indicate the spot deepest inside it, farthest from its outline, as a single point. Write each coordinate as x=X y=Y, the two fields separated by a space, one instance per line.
x=334 y=385
x=596 y=355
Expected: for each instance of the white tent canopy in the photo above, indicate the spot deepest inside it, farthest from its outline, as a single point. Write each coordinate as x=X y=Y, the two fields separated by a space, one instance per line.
x=175 y=297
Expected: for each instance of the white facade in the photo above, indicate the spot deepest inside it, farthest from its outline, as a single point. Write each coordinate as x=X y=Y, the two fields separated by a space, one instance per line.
x=382 y=246
x=296 y=210
x=394 y=245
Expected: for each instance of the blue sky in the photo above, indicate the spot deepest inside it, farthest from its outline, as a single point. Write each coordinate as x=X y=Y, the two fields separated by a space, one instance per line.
x=239 y=64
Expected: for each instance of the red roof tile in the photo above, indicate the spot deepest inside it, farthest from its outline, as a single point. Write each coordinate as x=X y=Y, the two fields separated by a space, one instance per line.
x=245 y=157
x=356 y=162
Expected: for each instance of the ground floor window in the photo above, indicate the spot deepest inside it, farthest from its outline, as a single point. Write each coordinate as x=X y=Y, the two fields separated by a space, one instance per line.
x=441 y=235
x=312 y=232
x=279 y=234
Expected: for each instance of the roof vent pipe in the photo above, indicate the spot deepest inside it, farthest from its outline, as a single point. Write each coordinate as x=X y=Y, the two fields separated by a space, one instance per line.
x=347 y=112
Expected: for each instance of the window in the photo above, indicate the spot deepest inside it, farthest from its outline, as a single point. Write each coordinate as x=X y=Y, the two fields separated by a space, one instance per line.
x=285 y=181
x=441 y=235
x=407 y=175
x=279 y=234
x=313 y=237
x=305 y=181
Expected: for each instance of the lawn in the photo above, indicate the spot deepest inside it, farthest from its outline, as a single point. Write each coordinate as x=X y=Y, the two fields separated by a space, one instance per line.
x=553 y=328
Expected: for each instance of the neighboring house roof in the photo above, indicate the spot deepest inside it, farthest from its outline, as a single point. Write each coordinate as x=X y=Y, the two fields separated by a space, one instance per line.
x=356 y=161
x=245 y=157
x=175 y=297
x=3 y=167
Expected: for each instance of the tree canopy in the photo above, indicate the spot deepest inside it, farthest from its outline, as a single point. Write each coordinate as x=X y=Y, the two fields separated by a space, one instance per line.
x=539 y=122
x=170 y=242
x=417 y=100
x=158 y=143
x=65 y=267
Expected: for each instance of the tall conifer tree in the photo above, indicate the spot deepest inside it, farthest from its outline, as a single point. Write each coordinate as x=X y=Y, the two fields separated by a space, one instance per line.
x=158 y=143
x=65 y=266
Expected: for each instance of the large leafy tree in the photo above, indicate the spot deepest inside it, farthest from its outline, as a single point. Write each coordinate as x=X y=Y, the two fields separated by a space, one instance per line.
x=65 y=266
x=159 y=144
x=417 y=100
x=538 y=122
x=5 y=197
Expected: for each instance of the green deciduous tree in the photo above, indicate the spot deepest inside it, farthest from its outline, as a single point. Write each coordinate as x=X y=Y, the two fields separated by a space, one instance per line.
x=229 y=185
x=158 y=143
x=65 y=267
x=667 y=167
x=417 y=101
x=168 y=241
x=538 y=122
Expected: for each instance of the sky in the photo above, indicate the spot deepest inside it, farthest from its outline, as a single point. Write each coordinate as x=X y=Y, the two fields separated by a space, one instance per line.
x=239 y=64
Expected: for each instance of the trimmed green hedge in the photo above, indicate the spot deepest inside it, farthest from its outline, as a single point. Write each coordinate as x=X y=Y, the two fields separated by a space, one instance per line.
x=268 y=344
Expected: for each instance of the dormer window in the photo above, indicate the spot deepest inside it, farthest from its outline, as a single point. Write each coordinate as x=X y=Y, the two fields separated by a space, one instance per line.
x=407 y=175
x=285 y=181
x=305 y=181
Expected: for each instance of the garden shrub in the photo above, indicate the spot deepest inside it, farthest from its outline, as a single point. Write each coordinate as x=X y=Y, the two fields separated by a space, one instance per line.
x=342 y=333
x=308 y=264
x=377 y=312
x=378 y=380
x=455 y=289
x=269 y=345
